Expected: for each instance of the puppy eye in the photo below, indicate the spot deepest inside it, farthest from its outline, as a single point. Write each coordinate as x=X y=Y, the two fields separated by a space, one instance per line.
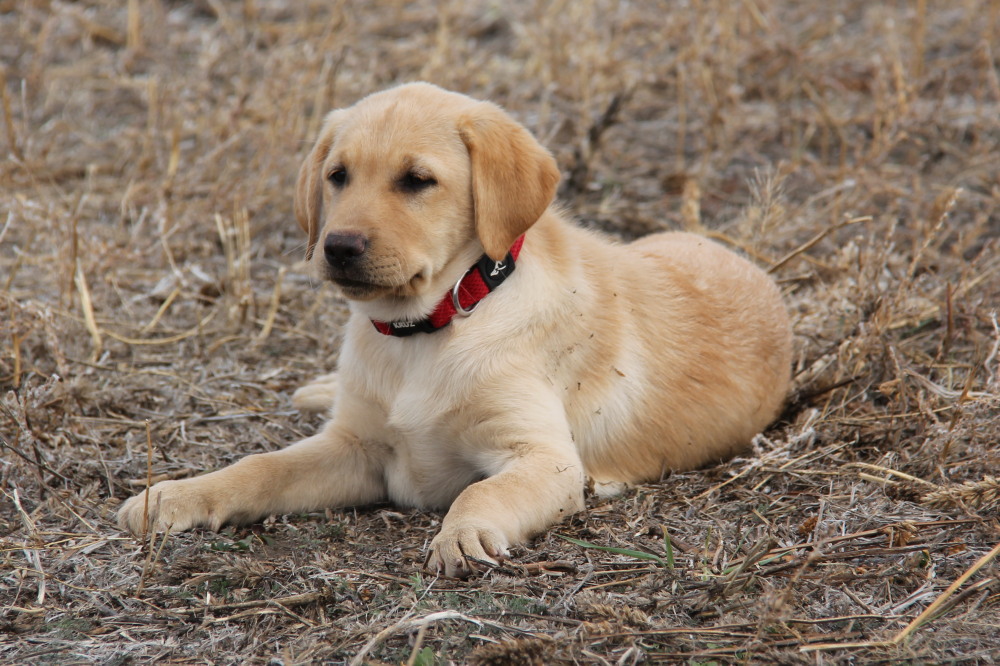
x=416 y=181
x=338 y=176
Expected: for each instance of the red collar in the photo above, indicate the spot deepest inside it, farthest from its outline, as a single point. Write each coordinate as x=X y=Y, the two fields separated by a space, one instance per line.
x=463 y=298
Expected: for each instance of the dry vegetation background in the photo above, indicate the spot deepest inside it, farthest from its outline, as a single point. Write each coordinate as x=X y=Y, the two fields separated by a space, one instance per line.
x=149 y=275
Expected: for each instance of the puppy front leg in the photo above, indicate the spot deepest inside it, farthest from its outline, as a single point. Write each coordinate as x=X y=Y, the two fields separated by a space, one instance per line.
x=332 y=468
x=536 y=487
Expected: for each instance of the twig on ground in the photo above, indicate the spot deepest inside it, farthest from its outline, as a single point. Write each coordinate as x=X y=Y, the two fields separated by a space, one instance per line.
x=407 y=624
x=812 y=242
x=928 y=614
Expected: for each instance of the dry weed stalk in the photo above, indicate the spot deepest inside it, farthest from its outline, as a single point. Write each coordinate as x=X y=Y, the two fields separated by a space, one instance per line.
x=981 y=495
x=8 y=116
x=31 y=553
x=518 y=652
x=928 y=613
x=87 y=305
x=134 y=32
x=691 y=206
x=624 y=616
x=408 y=624
x=234 y=233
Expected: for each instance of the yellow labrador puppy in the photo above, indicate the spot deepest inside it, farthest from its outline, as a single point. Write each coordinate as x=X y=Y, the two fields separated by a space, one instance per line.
x=496 y=356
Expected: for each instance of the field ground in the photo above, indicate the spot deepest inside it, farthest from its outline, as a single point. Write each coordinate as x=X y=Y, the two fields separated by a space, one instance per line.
x=149 y=274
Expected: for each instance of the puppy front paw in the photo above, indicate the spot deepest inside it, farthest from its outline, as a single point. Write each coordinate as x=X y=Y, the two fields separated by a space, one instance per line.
x=177 y=505
x=457 y=550
x=316 y=396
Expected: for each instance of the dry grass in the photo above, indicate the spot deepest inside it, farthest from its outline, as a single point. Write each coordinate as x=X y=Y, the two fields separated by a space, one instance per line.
x=145 y=232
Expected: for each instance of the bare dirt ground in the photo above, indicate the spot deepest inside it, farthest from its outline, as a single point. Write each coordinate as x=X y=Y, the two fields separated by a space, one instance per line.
x=150 y=278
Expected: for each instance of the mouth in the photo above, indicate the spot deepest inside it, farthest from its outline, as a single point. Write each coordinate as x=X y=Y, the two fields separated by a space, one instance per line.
x=364 y=290
x=347 y=283
x=366 y=283
x=358 y=290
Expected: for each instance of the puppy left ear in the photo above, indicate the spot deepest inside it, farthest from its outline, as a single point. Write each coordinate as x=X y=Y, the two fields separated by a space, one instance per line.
x=513 y=177
x=309 y=187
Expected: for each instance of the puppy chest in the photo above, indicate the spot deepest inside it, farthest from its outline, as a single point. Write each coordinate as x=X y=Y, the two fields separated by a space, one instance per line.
x=427 y=467
x=427 y=471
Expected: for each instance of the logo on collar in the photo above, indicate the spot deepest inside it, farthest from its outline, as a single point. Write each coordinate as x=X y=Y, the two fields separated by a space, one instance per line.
x=485 y=276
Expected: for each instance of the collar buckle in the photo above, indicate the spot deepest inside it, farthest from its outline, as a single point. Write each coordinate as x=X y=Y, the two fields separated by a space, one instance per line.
x=459 y=310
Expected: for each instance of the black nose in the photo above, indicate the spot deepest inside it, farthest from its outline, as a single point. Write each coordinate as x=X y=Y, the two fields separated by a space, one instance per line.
x=342 y=247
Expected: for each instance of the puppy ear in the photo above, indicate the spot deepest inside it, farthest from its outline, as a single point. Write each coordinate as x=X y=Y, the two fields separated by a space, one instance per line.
x=513 y=177
x=309 y=187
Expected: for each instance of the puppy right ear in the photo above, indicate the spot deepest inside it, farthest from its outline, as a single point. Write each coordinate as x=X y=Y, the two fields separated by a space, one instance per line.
x=513 y=177
x=309 y=187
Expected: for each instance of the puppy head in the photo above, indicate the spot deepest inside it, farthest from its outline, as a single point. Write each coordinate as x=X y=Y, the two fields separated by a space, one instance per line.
x=403 y=191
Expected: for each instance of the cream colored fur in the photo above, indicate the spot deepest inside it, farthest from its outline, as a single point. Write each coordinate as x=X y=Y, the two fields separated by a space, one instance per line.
x=594 y=360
